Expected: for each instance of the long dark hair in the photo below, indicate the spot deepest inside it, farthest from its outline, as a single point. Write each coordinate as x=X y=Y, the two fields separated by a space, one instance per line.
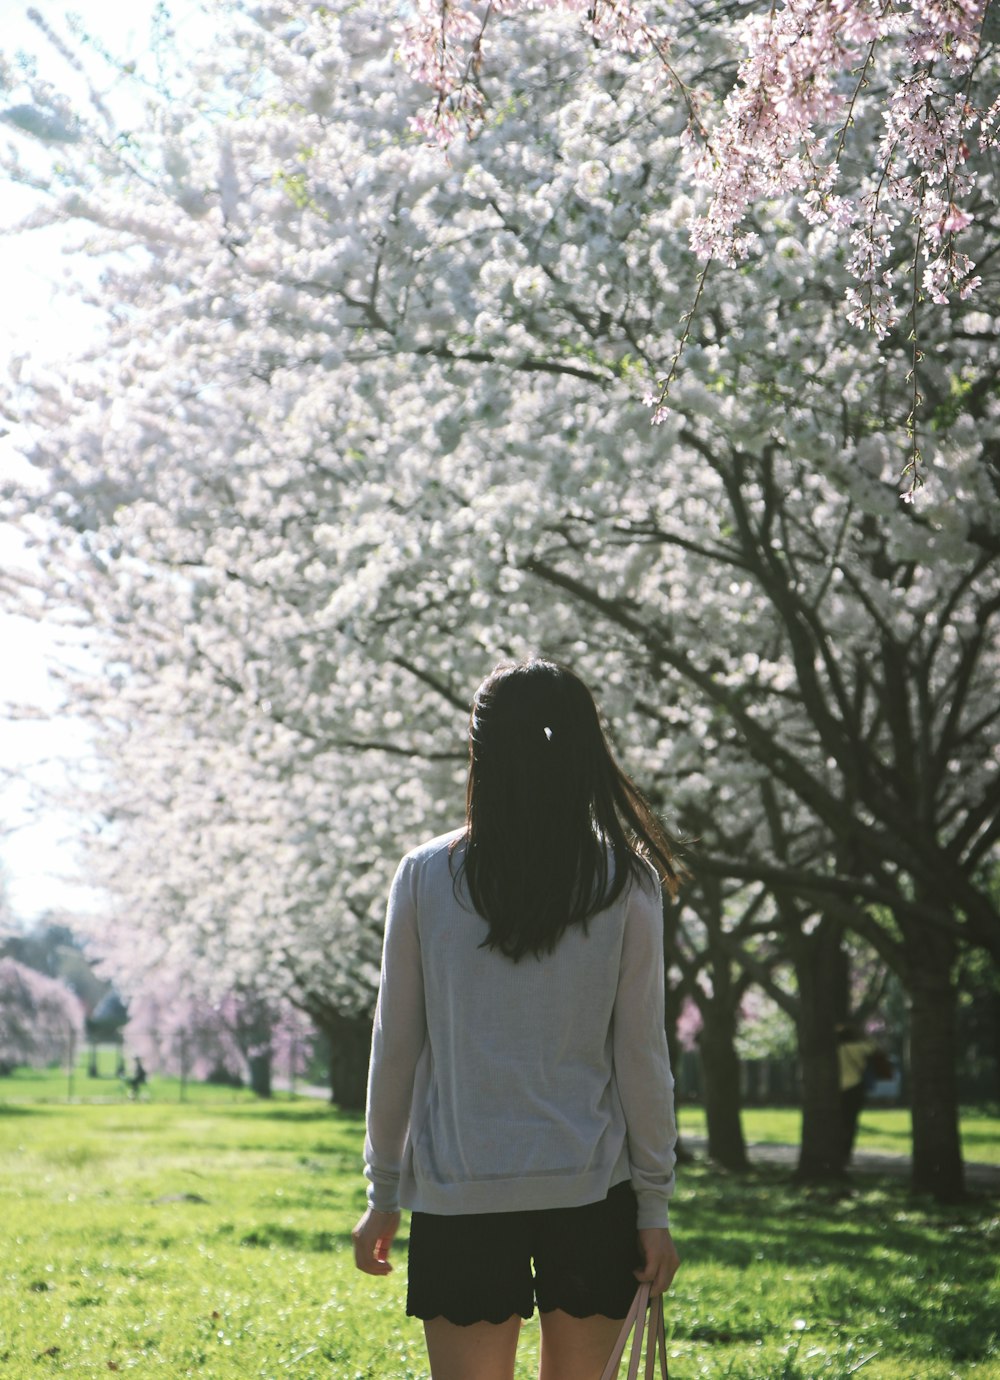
x=554 y=828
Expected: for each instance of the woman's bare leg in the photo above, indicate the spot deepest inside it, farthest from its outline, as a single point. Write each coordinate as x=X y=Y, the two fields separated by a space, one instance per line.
x=481 y=1351
x=576 y=1348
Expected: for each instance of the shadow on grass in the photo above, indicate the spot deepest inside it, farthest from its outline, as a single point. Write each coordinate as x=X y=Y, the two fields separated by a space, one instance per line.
x=267 y=1235
x=298 y=1112
x=935 y=1265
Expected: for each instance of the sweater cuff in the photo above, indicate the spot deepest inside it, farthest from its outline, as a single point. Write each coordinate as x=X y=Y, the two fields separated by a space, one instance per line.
x=653 y=1211
x=383 y=1191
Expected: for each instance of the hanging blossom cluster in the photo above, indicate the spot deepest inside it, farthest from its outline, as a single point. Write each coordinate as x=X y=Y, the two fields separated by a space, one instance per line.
x=785 y=123
x=443 y=44
x=769 y=141
x=923 y=162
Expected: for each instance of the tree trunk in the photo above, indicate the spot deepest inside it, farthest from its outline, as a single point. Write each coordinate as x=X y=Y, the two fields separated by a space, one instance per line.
x=819 y=969
x=260 y=1073
x=720 y=1065
x=721 y=1075
x=937 y=1151
x=350 y=1046
x=672 y=1009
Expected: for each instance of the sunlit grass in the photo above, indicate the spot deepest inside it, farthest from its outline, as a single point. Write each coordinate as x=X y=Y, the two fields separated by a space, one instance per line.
x=212 y=1239
x=58 y=1086
x=882 y=1129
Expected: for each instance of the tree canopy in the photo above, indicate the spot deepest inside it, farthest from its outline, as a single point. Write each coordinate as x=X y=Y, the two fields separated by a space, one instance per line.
x=369 y=415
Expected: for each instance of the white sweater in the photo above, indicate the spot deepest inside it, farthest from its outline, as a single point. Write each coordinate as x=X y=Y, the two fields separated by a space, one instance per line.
x=498 y=1086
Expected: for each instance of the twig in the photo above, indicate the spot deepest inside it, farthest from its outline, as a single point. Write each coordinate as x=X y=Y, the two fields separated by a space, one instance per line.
x=687 y=318
x=911 y=469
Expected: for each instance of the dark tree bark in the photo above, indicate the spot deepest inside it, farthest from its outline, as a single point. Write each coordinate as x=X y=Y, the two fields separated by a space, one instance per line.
x=937 y=1150
x=260 y=1073
x=818 y=960
x=720 y=1065
x=721 y=1073
x=350 y=1046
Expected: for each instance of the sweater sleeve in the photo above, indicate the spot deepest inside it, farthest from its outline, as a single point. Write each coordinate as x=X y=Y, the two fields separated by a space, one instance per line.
x=398 y=1036
x=641 y=1060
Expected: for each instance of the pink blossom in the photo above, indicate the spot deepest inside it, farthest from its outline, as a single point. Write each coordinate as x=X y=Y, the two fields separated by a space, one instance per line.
x=176 y=1030
x=955 y=220
x=41 y=1020
x=785 y=123
x=689 y=1024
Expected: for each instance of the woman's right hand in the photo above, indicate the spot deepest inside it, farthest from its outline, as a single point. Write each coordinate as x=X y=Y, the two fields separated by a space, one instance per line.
x=661 y=1261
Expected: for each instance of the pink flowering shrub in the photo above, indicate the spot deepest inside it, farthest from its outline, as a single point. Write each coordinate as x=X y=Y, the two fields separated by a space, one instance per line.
x=41 y=1020
x=176 y=1031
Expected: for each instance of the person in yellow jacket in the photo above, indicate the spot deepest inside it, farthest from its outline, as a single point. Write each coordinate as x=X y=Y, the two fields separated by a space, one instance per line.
x=854 y=1051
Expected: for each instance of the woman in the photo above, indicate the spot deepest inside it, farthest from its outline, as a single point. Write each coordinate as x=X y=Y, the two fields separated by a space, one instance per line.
x=520 y=1097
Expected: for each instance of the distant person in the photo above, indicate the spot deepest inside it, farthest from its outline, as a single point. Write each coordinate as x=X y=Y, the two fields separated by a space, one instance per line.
x=858 y=1057
x=520 y=1098
x=137 y=1081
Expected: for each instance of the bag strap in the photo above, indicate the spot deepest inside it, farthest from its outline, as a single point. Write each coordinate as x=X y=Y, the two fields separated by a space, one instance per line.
x=646 y=1317
x=656 y=1339
x=637 y=1311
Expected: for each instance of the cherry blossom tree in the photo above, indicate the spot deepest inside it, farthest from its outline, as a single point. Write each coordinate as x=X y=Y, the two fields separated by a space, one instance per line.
x=41 y=1020
x=238 y=1038
x=367 y=418
x=812 y=77
x=737 y=946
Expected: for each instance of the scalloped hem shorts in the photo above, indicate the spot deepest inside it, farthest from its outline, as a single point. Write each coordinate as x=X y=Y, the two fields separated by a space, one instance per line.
x=483 y=1267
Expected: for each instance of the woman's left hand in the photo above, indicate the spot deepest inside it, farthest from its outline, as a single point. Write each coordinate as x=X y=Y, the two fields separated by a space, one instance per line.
x=372 y=1239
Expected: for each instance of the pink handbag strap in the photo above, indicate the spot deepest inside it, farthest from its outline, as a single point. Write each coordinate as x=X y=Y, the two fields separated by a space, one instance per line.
x=646 y=1317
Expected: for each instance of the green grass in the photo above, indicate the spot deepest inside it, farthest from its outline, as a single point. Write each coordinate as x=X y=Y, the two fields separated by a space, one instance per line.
x=53 y=1085
x=883 y=1129
x=212 y=1239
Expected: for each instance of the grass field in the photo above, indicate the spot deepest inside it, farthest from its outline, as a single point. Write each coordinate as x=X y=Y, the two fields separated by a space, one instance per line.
x=211 y=1238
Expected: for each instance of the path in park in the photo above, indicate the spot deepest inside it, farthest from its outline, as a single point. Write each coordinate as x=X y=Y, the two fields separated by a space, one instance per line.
x=982 y=1178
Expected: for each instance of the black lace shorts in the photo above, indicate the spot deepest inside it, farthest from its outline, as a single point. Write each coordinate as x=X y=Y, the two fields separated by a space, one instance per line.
x=483 y=1267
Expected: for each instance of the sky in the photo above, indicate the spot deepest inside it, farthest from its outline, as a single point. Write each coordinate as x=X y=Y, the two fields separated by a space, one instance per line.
x=43 y=747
